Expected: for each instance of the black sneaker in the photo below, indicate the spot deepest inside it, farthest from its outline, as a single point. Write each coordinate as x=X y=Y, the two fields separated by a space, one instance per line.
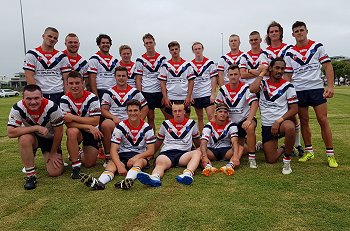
x=125 y=184
x=75 y=173
x=30 y=182
x=300 y=150
x=91 y=182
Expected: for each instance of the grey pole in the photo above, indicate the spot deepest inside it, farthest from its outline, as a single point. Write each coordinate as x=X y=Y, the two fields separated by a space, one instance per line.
x=23 y=34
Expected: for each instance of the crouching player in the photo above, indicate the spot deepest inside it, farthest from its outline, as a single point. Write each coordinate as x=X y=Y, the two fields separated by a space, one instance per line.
x=176 y=135
x=132 y=145
x=216 y=142
x=81 y=115
x=37 y=123
x=278 y=106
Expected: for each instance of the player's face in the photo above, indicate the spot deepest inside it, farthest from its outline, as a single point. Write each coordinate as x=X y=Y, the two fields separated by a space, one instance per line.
x=178 y=113
x=126 y=55
x=274 y=33
x=277 y=70
x=300 y=33
x=174 y=51
x=72 y=44
x=234 y=76
x=33 y=99
x=198 y=50
x=121 y=77
x=50 y=38
x=149 y=44
x=234 y=42
x=105 y=45
x=75 y=85
x=254 y=41
x=134 y=113
x=221 y=115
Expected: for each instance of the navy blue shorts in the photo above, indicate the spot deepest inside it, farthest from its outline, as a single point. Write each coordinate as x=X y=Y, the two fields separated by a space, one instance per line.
x=219 y=153
x=43 y=143
x=169 y=110
x=56 y=97
x=267 y=135
x=174 y=156
x=154 y=100
x=241 y=132
x=202 y=102
x=89 y=140
x=311 y=98
x=126 y=156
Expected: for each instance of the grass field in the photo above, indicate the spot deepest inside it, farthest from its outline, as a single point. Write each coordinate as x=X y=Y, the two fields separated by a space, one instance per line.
x=313 y=197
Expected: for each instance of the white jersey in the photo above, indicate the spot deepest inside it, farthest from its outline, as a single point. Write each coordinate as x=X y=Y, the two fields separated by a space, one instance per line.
x=48 y=68
x=149 y=69
x=86 y=106
x=131 y=72
x=132 y=139
x=49 y=115
x=116 y=100
x=203 y=72
x=274 y=52
x=238 y=101
x=103 y=67
x=78 y=64
x=176 y=75
x=251 y=61
x=274 y=100
x=305 y=64
x=178 y=136
x=226 y=61
x=219 y=136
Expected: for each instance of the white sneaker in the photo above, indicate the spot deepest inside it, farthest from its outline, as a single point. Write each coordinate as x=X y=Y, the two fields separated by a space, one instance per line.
x=259 y=146
x=147 y=179
x=252 y=163
x=286 y=168
x=184 y=178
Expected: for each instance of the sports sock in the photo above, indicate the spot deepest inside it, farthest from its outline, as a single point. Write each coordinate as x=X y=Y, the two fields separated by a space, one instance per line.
x=106 y=177
x=188 y=172
x=30 y=171
x=329 y=152
x=108 y=156
x=308 y=148
x=76 y=164
x=251 y=155
x=286 y=157
x=297 y=136
x=132 y=173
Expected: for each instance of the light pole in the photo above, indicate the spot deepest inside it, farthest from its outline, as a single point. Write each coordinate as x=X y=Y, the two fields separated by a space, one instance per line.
x=222 y=44
x=24 y=37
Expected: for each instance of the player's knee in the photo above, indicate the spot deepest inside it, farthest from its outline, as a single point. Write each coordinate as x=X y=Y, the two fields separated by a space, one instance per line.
x=322 y=120
x=26 y=140
x=72 y=133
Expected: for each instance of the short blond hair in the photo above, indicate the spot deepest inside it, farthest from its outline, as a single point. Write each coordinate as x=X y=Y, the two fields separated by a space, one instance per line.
x=178 y=105
x=124 y=47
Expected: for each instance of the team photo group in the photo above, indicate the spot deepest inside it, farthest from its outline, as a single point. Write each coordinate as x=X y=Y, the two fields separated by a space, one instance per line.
x=106 y=107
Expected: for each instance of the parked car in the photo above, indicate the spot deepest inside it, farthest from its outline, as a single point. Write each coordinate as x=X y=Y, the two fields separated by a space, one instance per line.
x=8 y=92
x=2 y=94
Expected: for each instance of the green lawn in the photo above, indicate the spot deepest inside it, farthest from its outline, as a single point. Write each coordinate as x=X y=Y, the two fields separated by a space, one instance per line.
x=313 y=197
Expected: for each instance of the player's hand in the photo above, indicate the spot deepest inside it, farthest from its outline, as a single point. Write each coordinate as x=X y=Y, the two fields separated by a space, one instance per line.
x=328 y=92
x=187 y=101
x=42 y=130
x=132 y=161
x=122 y=170
x=68 y=117
x=204 y=161
x=116 y=120
x=236 y=162
x=263 y=69
x=212 y=98
x=246 y=124
x=55 y=159
x=167 y=102
x=95 y=132
x=275 y=127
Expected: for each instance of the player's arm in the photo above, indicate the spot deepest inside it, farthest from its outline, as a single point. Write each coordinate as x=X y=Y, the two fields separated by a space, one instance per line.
x=164 y=93
x=116 y=160
x=213 y=89
x=56 y=142
x=204 y=148
x=150 y=150
x=248 y=73
x=220 y=78
x=158 y=144
x=65 y=82
x=91 y=120
x=144 y=112
x=328 y=69
x=29 y=75
x=254 y=87
x=14 y=132
x=292 y=111
x=106 y=114
x=189 y=92
x=93 y=86
x=138 y=82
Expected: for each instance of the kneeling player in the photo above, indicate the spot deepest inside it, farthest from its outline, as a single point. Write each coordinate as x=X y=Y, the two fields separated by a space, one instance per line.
x=37 y=123
x=278 y=106
x=132 y=145
x=176 y=135
x=216 y=142
x=81 y=115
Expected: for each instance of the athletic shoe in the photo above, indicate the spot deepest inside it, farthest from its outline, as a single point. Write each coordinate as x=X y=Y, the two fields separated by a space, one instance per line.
x=75 y=173
x=101 y=153
x=65 y=164
x=91 y=182
x=80 y=152
x=148 y=179
x=209 y=170
x=332 y=162
x=227 y=169
x=300 y=150
x=307 y=156
x=125 y=184
x=259 y=146
x=185 y=179
x=252 y=163
x=30 y=182
x=286 y=168
x=24 y=170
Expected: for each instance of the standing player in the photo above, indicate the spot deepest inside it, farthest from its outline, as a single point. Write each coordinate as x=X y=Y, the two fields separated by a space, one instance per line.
x=219 y=141
x=231 y=57
x=125 y=53
x=276 y=48
x=304 y=63
x=243 y=106
x=147 y=72
x=37 y=123
x=82 y=116
x=251 y=60
x=278 y=107
x=113 y=106
x=176 y=135
x=132 y=145
x=204 y=90
x=102 y=67
x=177 y=81
x=47 y=67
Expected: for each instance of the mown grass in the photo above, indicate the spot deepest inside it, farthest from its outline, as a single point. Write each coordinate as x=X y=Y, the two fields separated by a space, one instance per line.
x=313 y=197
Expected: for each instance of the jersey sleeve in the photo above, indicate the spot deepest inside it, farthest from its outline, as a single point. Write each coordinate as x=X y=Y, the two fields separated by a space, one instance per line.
x=289 y=67
x=106 y=99
x=190 y=72
x=250 y=97
x=93 y=64
x=149 y=136
x=233 y=131
x=322 y=55
x=206 y=133
x=161 y=133
x=117 y=135
x=220 y=97
x=242 y=62
x=213 y=70
x=195 y=132
x=138 y=67
x=95 y=108
x=221 y=64
x=56 y=117
x=84 y=71
x=29 y=62
x=64 y=104
x=15 y=119
x=291 y=94
x=141 y=99
x=163 y=73
x=65 y=65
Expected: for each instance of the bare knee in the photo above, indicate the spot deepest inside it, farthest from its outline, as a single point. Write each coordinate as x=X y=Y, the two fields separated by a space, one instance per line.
x=26 y=140
x=72 y=132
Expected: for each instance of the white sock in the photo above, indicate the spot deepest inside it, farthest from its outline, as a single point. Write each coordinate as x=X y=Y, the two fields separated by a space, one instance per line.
x=106 y=177
x=132 y=173
x=297 y=136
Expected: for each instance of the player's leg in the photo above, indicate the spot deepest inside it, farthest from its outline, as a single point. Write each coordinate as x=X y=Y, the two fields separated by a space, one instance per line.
x=210 y=112
x=90 y=147
x=251 y=142
x=73 y=138
x=191 y=161
x=303 y=113
x=199 y=112
x=131 y=175
x=107 y=128
x=27 y=143
x=150 y=118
